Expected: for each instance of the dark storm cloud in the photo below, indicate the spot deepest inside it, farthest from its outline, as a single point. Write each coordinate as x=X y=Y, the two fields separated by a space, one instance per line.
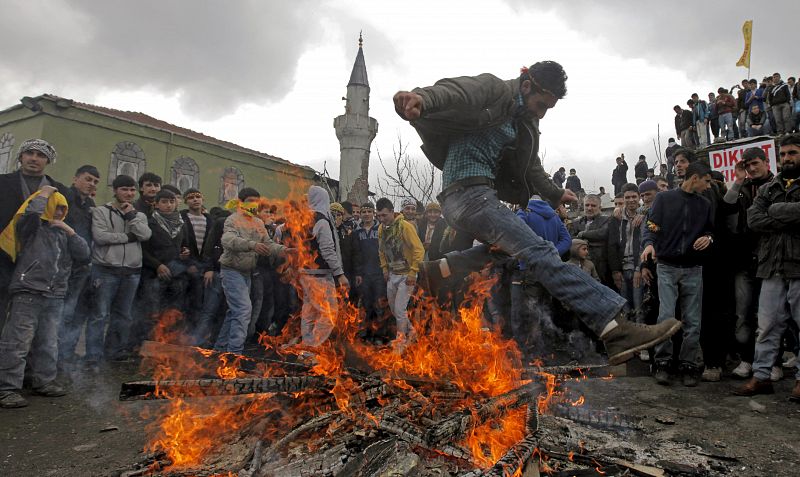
x=697 y=37
x=217 y=55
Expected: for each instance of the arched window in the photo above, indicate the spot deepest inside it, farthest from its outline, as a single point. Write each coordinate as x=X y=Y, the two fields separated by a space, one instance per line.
x=231 y=182
x=185 y=174
x=127 y=158
x=6 y=153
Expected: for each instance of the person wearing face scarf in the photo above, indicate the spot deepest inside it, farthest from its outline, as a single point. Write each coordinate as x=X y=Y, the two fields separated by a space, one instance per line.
x=44 y=249
x=775 y=214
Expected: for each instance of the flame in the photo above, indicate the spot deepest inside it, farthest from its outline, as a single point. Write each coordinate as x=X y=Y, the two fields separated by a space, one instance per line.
x=451 y=346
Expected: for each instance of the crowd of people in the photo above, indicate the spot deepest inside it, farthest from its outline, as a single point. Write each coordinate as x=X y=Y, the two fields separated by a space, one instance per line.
x=678 y=244
x=768 y=107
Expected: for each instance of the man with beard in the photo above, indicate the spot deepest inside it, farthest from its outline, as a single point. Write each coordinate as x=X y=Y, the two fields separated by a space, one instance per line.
x=593 y=227
x=751 y=173
x=775 y=214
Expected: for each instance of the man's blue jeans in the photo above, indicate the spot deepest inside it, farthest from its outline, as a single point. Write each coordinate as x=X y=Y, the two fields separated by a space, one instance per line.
x=476 y=211
x=686 y=284
x=726 y=125
x=234 y=329
x=632 y=294
x=113 y=299
x=30 y=335
x=72 y=323
x=773 y=317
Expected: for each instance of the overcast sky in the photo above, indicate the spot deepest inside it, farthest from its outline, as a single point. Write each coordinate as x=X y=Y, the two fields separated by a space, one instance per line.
x=270 y=75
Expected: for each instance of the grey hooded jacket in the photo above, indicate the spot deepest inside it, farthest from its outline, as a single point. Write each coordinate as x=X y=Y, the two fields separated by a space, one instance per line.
x=326 y=242
x=116 y=239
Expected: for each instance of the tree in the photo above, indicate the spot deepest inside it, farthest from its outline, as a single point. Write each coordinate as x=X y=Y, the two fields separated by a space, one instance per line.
x=404 y=176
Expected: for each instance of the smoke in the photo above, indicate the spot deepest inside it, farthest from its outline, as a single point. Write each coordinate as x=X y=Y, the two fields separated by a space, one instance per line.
x=215 y=56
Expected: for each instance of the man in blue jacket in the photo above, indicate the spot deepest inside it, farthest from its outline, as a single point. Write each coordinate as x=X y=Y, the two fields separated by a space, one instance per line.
x=679 y=229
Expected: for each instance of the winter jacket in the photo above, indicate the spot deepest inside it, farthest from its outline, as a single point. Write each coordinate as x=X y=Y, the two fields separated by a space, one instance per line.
x=779 y=94
x=676 y=220
x=617 y=239
x=758 y=119
x=240 y=234
x=743 y=238
x=456 y=106
x=323 y=238
x=436 y=238
x=399 y=248
x=116 y=239
x=365 y=251
x=756 y=97
x=699 y=111
x=47 y=256
x=596 y=233
x=574 y=184
x=190 y=240
x=620 y=174
x=160 y=249
x=80 y=214
x=212 y=247
x=775 y=214
x=543 y=220
x=725 y=104
x=683 y=121
x=559 y=177
x=640 y=170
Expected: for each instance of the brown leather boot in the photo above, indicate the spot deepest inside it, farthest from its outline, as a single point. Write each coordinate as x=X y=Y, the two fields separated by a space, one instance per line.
x=628 y=338
x=755 y=386
x=795 y=392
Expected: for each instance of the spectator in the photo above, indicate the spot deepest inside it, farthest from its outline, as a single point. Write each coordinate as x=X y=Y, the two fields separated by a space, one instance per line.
x=117 y=232
x=779 y=98
x=244 y=239
x=197 y=225
x=345 y=224
x=400 y=253
x=651 y=174
x=319 y=283
x=164 y=262
x=774 y=214
x=713 y=115
x=431 y=229
x=350 y=218
x=619 y=201
x=755 y=95
x=149 y=185
x=700 y=118
x=369 y=276
x=678 y=230
x=726 y=104
x=647 y=191
x=80 y=203
x=751 y=173
x=579 y=256
x=33 y=157
x=409 y=210
x=683 y=127
x=620 y=174
x=593 y=227
x=640 y=170
x=212 y=282
x=44 y=249
x=559 y=177
x=669 y=152
x=662 y=183
x=757 y=122
x=574 y=183
x=741 y=108
x=624 y=237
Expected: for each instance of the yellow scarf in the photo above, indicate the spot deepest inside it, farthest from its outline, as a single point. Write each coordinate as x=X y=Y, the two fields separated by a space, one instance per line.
x=247 y=208
x=8 y=239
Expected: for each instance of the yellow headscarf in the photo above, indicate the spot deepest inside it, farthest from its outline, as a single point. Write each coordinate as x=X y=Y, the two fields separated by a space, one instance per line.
x=8 y=239
x=248 y=208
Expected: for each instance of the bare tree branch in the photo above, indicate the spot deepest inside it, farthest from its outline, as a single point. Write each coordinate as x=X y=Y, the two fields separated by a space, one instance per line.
x=405 y=176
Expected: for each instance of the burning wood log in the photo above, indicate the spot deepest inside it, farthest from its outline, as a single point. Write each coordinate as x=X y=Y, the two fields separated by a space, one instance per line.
x=458 y=424
x=145 y=390
x=573 y=371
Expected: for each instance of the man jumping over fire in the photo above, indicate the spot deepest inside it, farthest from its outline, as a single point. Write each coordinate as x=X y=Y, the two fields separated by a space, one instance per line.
x=483 y=133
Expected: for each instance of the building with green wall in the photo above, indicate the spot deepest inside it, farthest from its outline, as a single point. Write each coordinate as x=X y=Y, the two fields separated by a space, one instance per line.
x=124 y=142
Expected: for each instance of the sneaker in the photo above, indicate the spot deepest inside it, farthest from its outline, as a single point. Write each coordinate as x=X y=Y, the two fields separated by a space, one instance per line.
x=661 y=375
x=50 y=390
x=712 y=375
x=644 y=355
x=743 y=371
x=791 y=362
x=11 y=400
x=755 y=386
x=430 y=277
x=623 y=342
x=776 y=374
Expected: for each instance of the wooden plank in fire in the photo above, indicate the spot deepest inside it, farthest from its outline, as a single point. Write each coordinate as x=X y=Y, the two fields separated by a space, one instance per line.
x=572 y=371
x=167 y=389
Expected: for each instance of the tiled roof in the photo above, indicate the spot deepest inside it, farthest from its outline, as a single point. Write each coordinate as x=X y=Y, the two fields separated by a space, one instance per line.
x=145 y=120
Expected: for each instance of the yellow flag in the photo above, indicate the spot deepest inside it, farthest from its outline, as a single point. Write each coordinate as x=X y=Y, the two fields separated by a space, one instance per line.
x=747 y=31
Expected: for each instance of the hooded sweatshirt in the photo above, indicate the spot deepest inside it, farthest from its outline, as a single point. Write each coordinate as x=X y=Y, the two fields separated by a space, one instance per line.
x=583 y=263
x=324 y=241
x=542 y=219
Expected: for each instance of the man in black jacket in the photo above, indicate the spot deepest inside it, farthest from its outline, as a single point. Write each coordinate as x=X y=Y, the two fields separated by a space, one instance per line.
x=624 y=237
x=679 y=229
x=779 y=97
x=683 y=126
x=369 y=276
x=593 y=227
x=149 y=185
x=640 y=170
x=484 y=134
x=775 y=214
x=197 y=225
x=33 y=157
x=431 y=229
x=619 y=176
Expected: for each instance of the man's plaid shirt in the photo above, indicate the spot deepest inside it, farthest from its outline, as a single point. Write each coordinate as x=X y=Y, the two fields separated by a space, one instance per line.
x=476 y=154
